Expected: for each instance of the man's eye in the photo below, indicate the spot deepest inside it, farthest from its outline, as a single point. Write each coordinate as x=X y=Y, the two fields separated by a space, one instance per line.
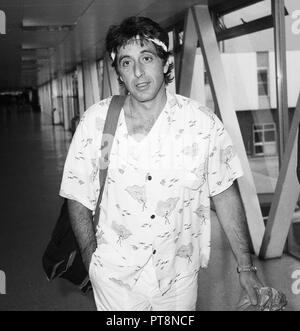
x=125 y=63
x=147 y=59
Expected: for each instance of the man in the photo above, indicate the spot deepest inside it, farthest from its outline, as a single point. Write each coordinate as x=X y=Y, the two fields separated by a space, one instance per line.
x=169 y=157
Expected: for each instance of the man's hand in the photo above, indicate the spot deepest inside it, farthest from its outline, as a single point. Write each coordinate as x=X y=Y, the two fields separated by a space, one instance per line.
x=251 y=284
x=231 y=214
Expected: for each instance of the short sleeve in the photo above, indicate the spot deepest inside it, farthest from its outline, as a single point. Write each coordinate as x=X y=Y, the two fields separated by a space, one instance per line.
x=81 y=168
x=224 y=166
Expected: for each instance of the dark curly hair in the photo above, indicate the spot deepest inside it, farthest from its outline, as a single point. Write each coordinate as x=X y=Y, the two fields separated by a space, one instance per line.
x=145 y=28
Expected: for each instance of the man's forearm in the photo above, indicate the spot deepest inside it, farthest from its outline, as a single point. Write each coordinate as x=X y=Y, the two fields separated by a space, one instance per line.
x=82 y=225
x=232 y=217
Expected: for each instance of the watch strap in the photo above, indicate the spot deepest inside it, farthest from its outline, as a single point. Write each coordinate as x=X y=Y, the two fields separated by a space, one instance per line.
x=251 y=268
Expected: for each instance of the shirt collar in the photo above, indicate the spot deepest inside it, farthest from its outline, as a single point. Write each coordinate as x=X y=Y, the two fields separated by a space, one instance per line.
x=172 y=100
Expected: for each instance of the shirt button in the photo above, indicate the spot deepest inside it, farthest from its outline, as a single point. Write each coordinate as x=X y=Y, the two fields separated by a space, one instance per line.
x=154 y=252
x=149 y=177
x=152 y=216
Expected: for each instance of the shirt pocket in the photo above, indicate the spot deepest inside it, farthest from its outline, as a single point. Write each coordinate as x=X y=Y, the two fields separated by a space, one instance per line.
x=192 y=181
x=195 y=173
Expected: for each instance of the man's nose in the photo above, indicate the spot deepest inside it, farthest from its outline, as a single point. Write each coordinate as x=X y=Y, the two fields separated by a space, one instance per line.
x=138 y=70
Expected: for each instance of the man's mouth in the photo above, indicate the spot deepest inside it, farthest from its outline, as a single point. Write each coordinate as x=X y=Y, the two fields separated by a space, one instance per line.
x=142 y=86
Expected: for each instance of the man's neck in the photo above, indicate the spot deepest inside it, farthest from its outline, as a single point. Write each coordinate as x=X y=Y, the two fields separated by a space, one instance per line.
x=141 y=116
x=151 y=108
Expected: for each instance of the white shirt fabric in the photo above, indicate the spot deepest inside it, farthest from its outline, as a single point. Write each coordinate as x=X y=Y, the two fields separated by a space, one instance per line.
x=156 y=201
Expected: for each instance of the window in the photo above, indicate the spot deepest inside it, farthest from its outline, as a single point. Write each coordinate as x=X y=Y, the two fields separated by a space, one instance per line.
x=269 y=136
x=264 y=137
x=248 y=13
x=206 y=81
x=263 y=73
x=263 y=86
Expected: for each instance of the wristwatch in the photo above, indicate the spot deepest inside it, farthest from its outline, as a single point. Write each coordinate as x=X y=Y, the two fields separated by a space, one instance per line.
x=251 y=268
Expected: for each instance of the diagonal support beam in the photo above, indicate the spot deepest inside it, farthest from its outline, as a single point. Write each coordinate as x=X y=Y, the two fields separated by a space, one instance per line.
x=224 y=102
x=285 y=197
x=186 y=70
x=278 y=12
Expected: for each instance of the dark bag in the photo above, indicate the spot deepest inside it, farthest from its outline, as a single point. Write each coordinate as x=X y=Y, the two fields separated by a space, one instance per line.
x=62 y=257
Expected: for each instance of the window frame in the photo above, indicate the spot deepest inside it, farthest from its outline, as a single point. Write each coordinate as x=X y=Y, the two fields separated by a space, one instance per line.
x=265 y=127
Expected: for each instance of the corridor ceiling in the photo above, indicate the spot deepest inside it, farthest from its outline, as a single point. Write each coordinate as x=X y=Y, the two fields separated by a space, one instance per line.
x=44 y=37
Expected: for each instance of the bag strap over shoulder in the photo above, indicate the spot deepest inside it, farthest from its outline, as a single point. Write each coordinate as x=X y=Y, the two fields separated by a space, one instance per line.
x=108 y=135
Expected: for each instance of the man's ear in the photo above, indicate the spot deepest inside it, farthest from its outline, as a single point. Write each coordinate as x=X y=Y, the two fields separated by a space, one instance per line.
x=166 y=67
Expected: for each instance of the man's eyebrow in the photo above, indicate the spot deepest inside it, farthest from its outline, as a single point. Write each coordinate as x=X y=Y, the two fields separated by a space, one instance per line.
x=123 y=57
x=148 y=51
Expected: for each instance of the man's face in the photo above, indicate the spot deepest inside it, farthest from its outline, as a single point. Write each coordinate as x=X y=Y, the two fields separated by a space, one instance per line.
x=141 y=70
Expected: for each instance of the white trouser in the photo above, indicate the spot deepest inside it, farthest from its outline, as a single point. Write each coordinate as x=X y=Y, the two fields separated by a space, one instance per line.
x=145 y=295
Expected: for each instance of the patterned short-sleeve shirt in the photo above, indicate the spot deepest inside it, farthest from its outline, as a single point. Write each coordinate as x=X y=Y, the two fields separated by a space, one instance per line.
x=156 y=200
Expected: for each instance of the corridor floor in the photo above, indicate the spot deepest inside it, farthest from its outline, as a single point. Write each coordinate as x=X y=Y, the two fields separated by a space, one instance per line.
x=32 y=158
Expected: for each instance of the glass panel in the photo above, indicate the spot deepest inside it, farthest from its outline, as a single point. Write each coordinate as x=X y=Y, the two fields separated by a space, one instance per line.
x=262 y=60
x=247 y=14
x=206 y=78
x=259 y=149
x=270 y=136
x=258 y=137
x=258 y=127
x=262 y=89
x=262 y=76
x=269 y=126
